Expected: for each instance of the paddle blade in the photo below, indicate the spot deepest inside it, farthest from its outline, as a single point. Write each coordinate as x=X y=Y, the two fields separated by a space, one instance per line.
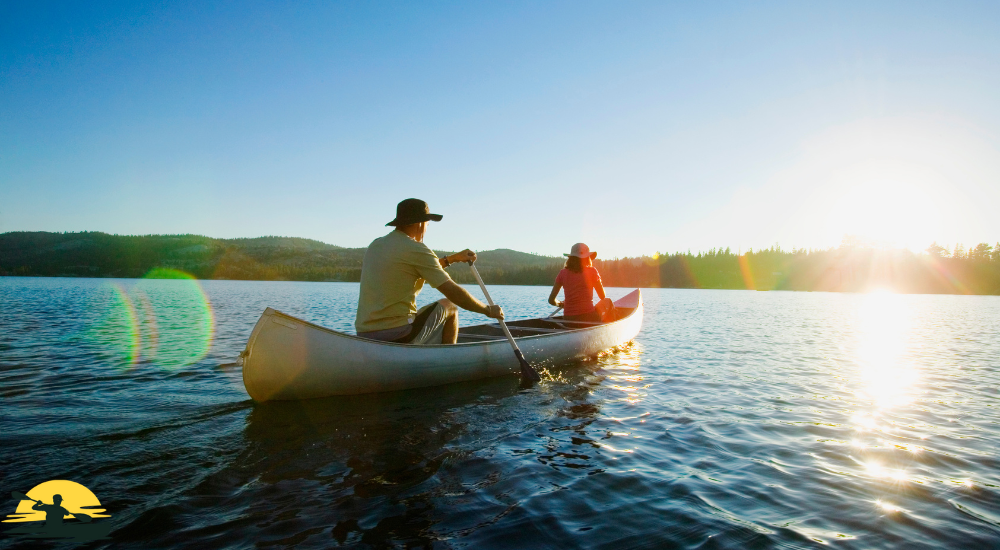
x=19 y=496
x=83 y=517
x=528 y=374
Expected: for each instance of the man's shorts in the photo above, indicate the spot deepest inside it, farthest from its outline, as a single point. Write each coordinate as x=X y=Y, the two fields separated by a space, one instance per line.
x=427 y=328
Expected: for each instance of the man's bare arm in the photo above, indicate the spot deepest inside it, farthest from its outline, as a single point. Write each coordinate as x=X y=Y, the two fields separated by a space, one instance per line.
x=461 y=298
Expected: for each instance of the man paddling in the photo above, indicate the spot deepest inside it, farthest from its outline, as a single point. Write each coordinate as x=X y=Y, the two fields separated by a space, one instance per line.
x=54 y=513
x=393 y=272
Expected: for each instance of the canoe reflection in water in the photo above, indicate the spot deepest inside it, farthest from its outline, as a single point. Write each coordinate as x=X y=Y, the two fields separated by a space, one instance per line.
x=414 y=467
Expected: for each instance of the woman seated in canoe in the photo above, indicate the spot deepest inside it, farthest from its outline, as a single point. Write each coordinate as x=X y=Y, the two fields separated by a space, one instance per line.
x=580 y=279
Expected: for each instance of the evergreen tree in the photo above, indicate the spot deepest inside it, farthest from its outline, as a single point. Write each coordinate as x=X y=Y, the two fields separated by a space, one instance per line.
x=937 y=251
x=981 y=252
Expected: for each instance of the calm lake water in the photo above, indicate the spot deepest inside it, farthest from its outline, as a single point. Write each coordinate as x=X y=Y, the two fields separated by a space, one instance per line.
x=735 y=420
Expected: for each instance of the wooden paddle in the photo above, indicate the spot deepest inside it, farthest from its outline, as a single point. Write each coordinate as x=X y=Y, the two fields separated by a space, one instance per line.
x=21 y=496
x=528 y=374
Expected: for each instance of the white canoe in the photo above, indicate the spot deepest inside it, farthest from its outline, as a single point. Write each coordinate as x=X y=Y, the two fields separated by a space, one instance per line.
x=288 y=358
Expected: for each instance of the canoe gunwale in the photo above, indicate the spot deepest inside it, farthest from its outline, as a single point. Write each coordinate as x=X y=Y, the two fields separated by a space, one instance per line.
x=273 y=311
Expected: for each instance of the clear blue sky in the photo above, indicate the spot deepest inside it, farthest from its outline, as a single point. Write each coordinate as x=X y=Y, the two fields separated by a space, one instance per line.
x=635 y=127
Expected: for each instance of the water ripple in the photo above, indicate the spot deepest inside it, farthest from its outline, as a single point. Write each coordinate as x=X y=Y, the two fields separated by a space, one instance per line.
x=735 y=420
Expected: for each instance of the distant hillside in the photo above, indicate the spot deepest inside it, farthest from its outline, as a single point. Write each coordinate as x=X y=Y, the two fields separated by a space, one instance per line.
x=846 y=269
x=95 y=254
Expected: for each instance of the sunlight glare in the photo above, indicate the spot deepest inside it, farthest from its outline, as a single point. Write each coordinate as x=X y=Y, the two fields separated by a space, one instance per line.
x=886 y=377
x=885 y=204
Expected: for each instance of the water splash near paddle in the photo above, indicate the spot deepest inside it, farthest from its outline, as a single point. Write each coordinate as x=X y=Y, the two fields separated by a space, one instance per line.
x=528 y=374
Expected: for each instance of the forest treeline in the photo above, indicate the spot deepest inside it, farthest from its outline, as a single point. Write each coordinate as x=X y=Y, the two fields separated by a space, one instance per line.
x=848 y=268
x=96 y=254
x=843 y=269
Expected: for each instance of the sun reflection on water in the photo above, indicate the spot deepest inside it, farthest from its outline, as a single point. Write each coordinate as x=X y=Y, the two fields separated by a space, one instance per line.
x=887 y=381
x=626 y=375
x=887 y=378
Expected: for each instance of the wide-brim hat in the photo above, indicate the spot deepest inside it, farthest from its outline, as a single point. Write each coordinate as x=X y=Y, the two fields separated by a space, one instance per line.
x=413 y=211
x=581 y=250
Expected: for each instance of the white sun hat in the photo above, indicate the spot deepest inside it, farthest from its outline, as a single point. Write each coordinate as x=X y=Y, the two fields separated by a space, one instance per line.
x=581 y=250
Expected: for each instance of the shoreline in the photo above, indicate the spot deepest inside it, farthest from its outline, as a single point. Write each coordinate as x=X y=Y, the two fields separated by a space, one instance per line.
x=864 y=291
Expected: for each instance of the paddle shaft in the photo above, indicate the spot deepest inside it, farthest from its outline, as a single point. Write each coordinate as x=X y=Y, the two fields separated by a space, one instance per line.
x=526 y=370
x=21 y=496
x=503 y=325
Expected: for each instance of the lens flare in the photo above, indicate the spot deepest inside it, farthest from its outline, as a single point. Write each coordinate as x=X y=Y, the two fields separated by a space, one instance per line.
x=165 y=319
x=118 y=328
x=746 y=272
x=944 y=274
x=148 y=329
x=184 y=318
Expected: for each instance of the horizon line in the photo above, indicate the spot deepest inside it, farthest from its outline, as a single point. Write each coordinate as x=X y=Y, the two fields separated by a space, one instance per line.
x=863 y=243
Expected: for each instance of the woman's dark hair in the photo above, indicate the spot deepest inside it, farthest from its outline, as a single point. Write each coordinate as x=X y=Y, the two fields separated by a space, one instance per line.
x=573 y=264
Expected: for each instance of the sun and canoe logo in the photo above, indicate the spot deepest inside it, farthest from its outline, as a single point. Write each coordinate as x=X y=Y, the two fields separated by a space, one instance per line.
x=58 y=509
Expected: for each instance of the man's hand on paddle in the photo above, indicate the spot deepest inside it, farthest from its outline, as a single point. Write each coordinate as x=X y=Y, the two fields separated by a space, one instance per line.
x=466 y=256
x=494 y=312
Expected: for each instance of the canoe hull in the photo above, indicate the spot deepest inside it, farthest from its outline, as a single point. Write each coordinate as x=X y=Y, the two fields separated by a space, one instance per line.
x=288 y=358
